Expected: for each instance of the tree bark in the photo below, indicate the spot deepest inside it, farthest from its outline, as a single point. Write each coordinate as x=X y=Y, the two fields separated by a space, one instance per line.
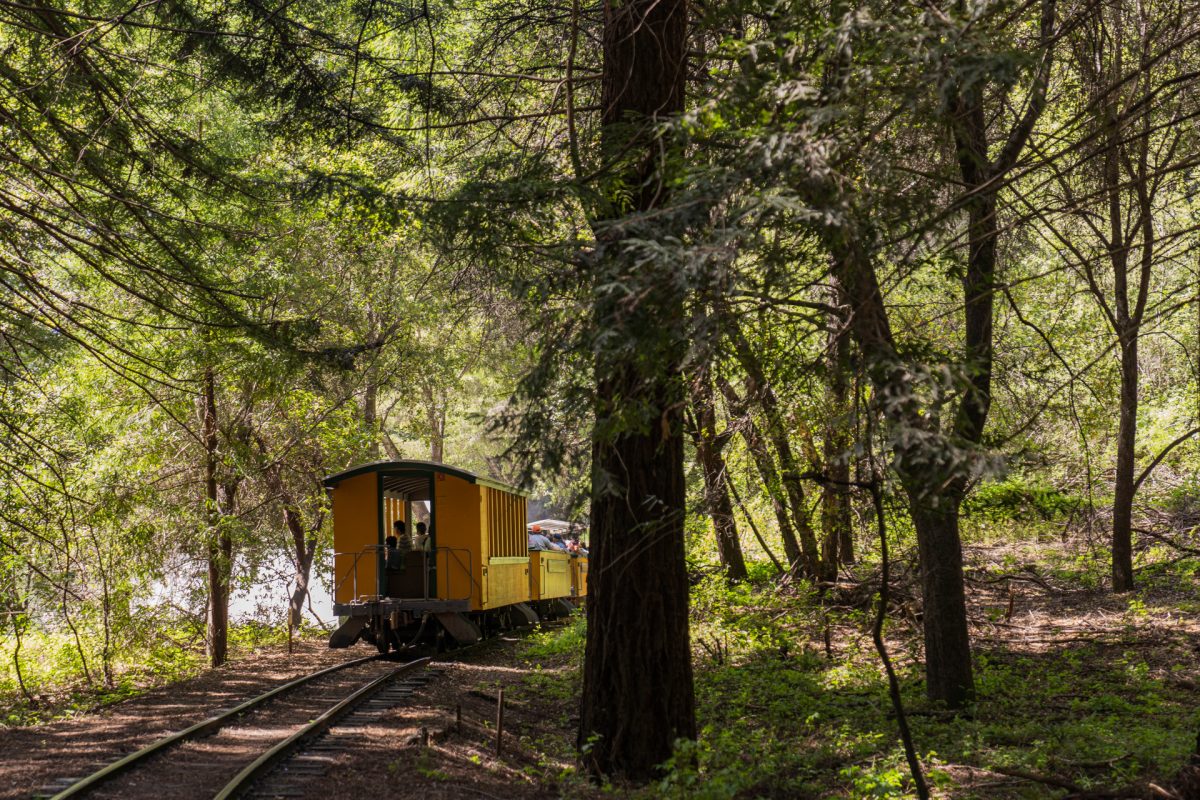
x=637 y=695
x=304 y=548
x=220 y=546
x=1123 y=489
x=370 y=411
x=1127 y=331
x=836 y=519
x=712 y=466
x=948 y=673
x=1125 y=145
x=370 y=397
x=921 y=464
x=435 y=415
x=19 y=620
x=759 y=388
x=922 y=460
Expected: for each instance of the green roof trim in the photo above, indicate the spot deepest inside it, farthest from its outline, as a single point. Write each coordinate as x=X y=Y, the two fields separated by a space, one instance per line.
x=413 y=465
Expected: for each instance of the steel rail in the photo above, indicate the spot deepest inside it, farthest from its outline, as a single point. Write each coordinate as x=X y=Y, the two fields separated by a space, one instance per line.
x=267 y=760
x=203 y=728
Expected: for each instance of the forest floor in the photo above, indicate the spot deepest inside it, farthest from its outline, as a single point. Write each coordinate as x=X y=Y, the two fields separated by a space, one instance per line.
x=1080 y=694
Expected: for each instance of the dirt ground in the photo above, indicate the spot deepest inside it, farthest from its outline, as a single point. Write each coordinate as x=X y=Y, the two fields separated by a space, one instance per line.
x=1015 y=604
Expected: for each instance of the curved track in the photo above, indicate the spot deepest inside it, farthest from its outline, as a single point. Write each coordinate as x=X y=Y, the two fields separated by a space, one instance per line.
x=99 y=781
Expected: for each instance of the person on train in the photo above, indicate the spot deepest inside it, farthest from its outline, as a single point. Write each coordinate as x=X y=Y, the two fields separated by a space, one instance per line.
x=538 y=540
x=575 y=548
x=421 y=540
x=558 y=542
x=394 y=557
x=404 y=541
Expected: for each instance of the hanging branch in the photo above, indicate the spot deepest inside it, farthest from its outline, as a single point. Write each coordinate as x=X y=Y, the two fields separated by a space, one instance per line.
x=873 y=487
x=914 y=765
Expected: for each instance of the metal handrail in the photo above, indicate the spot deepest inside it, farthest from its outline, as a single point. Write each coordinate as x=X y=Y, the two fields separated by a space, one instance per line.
x=353 y=571
x=443 y=569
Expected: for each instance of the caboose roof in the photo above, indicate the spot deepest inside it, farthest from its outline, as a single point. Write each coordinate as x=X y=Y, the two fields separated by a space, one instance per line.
x=414 y=465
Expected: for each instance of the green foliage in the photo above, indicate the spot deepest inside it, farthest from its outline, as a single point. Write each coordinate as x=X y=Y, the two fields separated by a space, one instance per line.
x=424 y=767
x=331 y=225
x=555 y=657
x=1019 y=499
x=559 y=643
x=1182 y=499
x=52 y=673
x=254 y=634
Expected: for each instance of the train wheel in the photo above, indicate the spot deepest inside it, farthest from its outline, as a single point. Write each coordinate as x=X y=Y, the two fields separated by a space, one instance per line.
x=383 y=636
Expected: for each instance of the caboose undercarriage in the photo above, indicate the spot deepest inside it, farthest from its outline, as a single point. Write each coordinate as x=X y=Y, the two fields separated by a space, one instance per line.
x=398 y=624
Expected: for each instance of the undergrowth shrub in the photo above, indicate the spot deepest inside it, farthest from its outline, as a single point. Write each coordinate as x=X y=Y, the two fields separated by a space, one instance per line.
x=1021 y=500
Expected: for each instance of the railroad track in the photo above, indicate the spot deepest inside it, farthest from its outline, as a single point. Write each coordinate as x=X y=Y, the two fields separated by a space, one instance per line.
x=252 y=738
x=287 y=773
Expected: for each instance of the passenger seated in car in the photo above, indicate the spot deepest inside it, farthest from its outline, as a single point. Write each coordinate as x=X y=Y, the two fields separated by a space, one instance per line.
x=538 y=540
x=421 y=540
x=558 y=542
x=575 y=548
x=404 y=541
x=394 y=557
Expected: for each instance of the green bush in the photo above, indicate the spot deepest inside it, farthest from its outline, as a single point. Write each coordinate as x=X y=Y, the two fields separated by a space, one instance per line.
x=1018 y=499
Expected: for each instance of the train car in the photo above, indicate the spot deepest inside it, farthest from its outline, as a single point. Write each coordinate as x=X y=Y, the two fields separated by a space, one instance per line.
x=476 y=575
x=576 y=585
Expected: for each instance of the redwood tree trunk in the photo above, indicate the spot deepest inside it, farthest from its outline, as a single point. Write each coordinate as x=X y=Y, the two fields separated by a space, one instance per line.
x=637 y=686
x=637 y=679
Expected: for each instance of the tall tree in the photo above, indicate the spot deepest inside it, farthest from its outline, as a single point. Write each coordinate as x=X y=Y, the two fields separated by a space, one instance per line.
x=637 y=678
x=1120 y=181
x=823 y=147
x=219 y=544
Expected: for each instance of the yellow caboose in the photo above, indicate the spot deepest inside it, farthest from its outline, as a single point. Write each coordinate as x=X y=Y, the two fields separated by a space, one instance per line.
x=473 y=572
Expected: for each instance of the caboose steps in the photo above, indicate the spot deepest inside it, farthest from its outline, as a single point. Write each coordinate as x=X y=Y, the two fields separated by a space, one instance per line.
x=348 y=632
x=460 y=627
